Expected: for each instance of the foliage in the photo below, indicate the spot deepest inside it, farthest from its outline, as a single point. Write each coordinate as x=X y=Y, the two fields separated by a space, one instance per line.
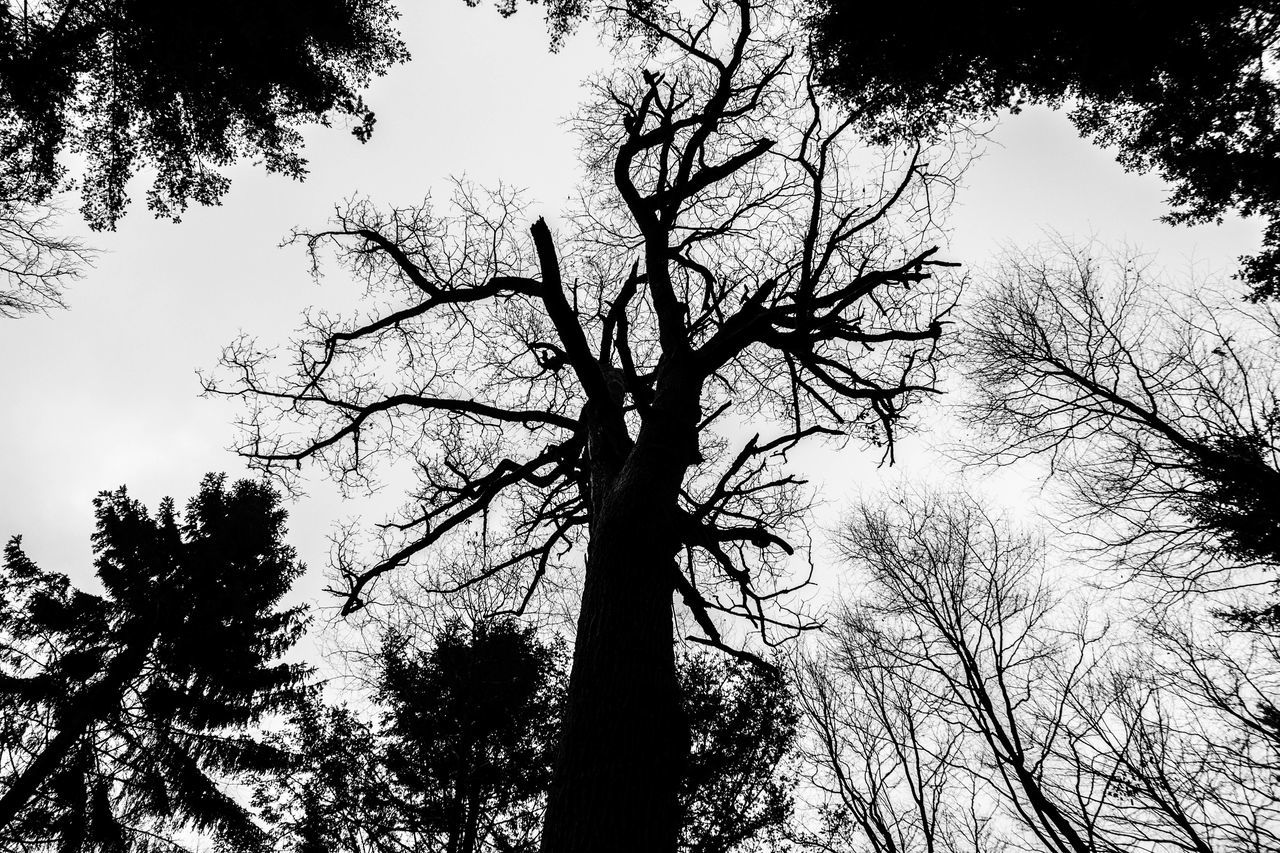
x=460 y=755
x=125 y=710
x=186 y=90
x=471 y=725
x=458 y=759
x=738 y=783
x=1189 y=92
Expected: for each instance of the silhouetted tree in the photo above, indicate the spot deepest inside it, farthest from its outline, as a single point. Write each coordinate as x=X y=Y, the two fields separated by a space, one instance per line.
x=960 y=706
x=1160 y=410
x=957 y=604
x=335 y=795
x=1188 y=92
x=186 y=90
x=458 y=761
x=588 y=392
x=36 y=263
x=461 y=758
x=471 y=727
x=737 y=791
x=124 y=711
x=884 y=751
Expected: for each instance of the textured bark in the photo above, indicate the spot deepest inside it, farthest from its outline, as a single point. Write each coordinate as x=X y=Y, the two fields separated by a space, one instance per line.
x=625 y=740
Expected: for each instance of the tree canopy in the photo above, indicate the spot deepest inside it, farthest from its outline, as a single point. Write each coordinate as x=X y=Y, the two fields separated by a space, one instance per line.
x=459 y=754
x=1189 y=92
x=1159 y=408
x=184 y=89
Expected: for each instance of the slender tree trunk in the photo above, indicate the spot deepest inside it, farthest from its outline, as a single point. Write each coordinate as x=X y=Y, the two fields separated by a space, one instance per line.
x=625 y=741
x=471 y=830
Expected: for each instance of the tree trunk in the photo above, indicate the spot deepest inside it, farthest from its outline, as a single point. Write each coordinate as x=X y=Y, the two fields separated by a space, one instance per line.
x=471 y=828
x=625 y=741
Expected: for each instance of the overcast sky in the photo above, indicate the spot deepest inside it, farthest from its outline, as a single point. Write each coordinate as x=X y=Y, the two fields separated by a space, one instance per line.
x=106 y=394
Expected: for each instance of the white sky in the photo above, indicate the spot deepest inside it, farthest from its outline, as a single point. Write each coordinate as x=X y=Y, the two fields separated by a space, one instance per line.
x=105 y=394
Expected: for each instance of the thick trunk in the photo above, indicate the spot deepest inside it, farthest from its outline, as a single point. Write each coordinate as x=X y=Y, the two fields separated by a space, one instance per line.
x=625 y=741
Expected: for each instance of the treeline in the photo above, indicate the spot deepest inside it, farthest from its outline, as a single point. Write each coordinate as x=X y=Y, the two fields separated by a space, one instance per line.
x=142 y=715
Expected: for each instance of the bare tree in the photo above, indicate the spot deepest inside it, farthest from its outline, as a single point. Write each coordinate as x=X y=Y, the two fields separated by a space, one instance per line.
x=1159 y=409
x=884 y=751
x=971 y=614
x=597 y=390
x=36 y=263
x=1178 y=774
x=1155 y=742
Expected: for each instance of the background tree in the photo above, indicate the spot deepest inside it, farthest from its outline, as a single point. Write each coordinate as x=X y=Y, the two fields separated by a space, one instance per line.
x=458 y=759
x=963 y=707
x=1159 y=410
x=335 y=794
x=958 y=603
x=127 y=85
x=460 y=756
x=124 y=711
x=471 y=728
x=883 y=751
x=582 y=393
x=738 y=786
x=1189 y=93
x=36 y=263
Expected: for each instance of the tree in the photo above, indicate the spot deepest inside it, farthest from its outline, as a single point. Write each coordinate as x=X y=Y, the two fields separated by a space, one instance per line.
x=124 y=710
x=580 y=393
x=35 y=262
x=1189 y=93
x=471 y=726
x=458 y=760
x=127 y=85
x=963 y=707
x=737 y=790
x=460 y=757
x=334 y=796
x=883 y=751
x=130 y=83
x=1159 y=410
x=958 y=603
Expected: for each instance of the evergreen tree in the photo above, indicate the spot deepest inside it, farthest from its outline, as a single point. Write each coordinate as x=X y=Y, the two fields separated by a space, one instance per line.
x=1187 y=91
x=124 y=711
x=461 y=756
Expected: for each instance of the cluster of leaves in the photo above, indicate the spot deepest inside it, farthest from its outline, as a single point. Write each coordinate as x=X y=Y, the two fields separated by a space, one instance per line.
x=185 y=90
x=460 y=755
x=124 y=711
x=1184 y=92
x=737 y=789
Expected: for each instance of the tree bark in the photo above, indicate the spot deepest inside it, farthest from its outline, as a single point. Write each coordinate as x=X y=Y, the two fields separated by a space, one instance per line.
x=625 y=740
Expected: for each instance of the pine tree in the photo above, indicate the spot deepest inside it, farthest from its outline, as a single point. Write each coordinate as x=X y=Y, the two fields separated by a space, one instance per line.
x=125 y=711
x=459 y=759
